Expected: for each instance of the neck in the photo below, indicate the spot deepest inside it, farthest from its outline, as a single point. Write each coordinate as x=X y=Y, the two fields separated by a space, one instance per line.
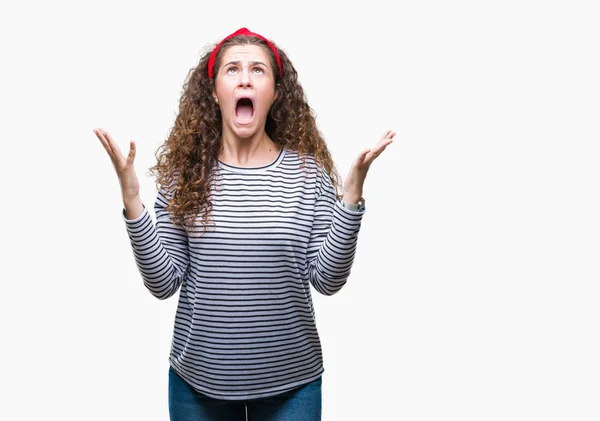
x=246 y=151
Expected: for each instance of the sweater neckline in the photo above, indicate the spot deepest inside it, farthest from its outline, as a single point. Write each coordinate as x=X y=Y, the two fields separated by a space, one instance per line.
x=254 y=170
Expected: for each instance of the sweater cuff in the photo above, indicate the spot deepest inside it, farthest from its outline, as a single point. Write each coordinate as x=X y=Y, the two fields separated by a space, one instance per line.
x=132 y=222
x=348 y=210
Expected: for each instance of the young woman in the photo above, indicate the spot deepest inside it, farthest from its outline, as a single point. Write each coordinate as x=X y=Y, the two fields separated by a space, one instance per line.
x=248 y=216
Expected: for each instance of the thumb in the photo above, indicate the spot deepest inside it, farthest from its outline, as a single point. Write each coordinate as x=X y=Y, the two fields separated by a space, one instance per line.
x=363 y=154
x=131 y=155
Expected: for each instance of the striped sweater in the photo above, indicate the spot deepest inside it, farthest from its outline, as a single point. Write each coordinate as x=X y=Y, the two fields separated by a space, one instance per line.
x=245 y=325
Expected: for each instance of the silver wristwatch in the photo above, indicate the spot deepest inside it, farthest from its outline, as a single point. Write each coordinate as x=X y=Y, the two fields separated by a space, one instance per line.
x=356 y=207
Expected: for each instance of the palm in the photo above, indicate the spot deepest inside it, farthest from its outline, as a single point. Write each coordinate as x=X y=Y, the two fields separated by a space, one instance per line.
x=123 y=165
x=358 y=172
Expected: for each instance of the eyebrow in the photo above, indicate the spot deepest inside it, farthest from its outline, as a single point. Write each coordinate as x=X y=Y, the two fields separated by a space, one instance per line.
x=251 y=63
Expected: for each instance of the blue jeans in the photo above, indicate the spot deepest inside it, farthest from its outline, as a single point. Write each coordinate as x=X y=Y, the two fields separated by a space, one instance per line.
x=300 y=404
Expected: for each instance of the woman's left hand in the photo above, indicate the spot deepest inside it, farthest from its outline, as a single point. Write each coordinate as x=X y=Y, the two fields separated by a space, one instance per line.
x=355 y=180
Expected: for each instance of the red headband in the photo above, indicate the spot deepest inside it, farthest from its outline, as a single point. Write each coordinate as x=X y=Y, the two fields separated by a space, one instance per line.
x=245 y=32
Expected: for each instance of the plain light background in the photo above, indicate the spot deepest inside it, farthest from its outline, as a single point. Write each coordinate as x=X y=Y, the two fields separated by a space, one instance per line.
x=474 y=292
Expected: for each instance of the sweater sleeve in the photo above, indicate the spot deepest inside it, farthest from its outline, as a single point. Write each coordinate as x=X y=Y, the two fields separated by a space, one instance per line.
x=160 y=251
x=333 y=239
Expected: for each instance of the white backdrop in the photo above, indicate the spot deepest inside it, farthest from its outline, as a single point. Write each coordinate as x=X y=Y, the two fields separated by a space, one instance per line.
x=474 y=293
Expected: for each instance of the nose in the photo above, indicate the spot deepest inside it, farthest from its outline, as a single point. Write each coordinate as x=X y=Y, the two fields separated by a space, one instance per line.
x=245 y=80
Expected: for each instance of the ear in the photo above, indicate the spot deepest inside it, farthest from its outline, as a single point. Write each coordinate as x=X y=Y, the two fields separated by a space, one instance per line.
x=276 y=93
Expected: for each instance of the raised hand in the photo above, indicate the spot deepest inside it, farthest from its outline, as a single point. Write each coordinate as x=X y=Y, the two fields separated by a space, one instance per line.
x=355 y=180
x=130 y=186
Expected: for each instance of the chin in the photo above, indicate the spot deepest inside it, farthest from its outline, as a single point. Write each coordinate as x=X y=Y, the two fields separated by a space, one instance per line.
x=245 y=132
x=251 y=129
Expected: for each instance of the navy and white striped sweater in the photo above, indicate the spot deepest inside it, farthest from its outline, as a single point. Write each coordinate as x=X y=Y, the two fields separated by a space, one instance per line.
x=245 y=325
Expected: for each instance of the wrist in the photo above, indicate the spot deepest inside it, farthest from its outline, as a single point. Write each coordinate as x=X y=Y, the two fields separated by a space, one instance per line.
x=352 y=197
x=131 y=198
x=358 y=206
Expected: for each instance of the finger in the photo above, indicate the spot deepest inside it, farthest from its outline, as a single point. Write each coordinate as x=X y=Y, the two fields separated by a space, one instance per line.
x=362 y=158
x=382 y=144
x=385 y=138
x=113 y=145
x=370 y=157
x=376 y=152
x=380 y=147
x=385 y=135
x=131 y=155
x=100 y=136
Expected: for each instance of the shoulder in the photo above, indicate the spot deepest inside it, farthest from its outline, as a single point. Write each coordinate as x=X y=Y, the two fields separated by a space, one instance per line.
x=312 y=172
x=305 y=160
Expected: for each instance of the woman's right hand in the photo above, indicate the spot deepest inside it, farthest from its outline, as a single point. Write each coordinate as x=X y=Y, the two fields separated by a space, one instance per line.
x=130 y=186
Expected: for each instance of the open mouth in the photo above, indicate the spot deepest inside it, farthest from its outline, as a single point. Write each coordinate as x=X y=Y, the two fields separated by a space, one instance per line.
x=244 y=109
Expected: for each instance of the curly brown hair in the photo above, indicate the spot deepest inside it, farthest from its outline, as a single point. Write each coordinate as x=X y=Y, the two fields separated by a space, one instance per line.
x=187 y=160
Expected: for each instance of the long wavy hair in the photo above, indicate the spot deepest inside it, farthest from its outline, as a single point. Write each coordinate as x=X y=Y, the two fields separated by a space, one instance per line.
x=187 y=160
